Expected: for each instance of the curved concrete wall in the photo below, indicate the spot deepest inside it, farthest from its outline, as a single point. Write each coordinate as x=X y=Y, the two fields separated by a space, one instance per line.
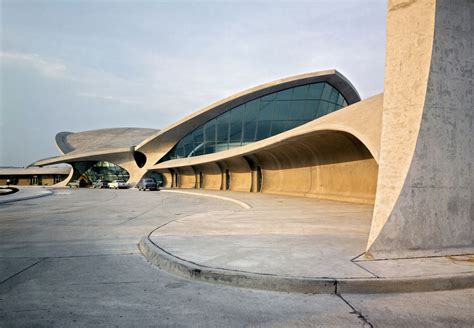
x=101 y=144
x=167 y=178
x=327 y=165
x=64 y=183
x=122 y=158
x=212 y=175
x=240 y=173
x=158 y=145
x=327 y=158
x=187 y=177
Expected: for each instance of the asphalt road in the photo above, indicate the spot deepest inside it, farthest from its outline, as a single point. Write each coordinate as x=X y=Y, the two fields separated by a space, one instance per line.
x=71 y=260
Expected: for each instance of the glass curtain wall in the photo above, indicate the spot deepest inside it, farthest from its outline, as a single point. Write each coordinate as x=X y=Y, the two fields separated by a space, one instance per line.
x=105 y=171
x=259 y=119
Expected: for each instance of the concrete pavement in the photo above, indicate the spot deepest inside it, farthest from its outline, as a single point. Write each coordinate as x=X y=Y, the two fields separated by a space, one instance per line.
x=294 y=244
x=71 y=260
x=24 y=193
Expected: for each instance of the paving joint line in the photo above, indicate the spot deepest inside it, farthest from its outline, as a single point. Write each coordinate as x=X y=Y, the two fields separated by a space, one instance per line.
x=353 y=260
x=69 y=256
x=143 y=213
x=91 y=255
x=359 y=314
x=411 y=258
x=21 y=271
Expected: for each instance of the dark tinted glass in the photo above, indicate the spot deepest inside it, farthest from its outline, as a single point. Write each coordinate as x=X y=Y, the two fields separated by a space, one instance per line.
x=323 y=108
x=334 y=96
x=340 y=100
x=259 y=119
x=277 y=127
x=280 y=110
x=223 y=132
x=315 y=91
x=251 y=110
x=235 y=128
x=297 y=110
x=285 y=94
x=301 y=93
x=311 y=109
x=210 y=132
x=249 y=131
x=263 y=129
x=198 y=135
x=293 y=124
x=326 y=92
x=266 y=111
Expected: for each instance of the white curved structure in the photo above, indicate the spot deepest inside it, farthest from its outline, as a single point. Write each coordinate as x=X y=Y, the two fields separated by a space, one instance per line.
x=408 y=151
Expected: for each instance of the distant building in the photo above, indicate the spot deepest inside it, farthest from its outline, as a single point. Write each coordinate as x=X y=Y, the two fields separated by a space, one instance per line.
x=33 y=176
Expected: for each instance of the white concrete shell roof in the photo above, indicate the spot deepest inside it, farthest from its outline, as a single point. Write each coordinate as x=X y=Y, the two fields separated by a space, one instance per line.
x=95 y=143
x=102 y=139
x=158 y=144
x=352 y=119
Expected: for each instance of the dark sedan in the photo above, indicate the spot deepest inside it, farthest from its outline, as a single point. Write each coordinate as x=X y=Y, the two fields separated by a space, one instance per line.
x=147 y=183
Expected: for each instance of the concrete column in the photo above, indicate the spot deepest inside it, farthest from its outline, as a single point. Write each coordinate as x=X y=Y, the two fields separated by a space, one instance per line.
x=424 y=202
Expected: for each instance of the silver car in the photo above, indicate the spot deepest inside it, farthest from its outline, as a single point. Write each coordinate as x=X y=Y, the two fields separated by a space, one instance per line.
x=118 y=184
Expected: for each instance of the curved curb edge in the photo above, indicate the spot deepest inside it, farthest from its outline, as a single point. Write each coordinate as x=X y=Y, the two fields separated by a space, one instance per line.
x=47 y=193
x=232 y=200
x=185 y=269
x=158 y=257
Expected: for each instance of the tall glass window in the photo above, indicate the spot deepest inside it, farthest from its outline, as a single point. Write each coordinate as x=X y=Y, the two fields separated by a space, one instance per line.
x=259 y=119
x=105 y=171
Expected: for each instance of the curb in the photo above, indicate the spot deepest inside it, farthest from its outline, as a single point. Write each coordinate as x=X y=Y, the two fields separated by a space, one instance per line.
x=46 y=192
x=232 y=200
x=172 y=264
x=159 y=257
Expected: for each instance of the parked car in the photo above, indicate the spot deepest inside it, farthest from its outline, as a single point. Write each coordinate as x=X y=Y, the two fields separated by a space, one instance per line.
x=74 y=184
x=100 y=184
x=147 y=183
x=118 y=184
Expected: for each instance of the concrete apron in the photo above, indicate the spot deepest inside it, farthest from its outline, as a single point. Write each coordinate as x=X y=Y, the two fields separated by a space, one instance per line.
x=401 y=276
x=164 y=260
x=26 y=193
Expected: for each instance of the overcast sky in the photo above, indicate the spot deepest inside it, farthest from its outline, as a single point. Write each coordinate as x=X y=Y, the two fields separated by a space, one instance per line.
x=83 y=65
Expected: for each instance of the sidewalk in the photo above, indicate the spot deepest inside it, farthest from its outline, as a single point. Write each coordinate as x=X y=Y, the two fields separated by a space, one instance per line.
x=293 y=244
x=24 y=193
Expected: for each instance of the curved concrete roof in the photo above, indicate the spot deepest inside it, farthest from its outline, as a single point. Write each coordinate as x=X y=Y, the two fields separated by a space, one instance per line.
x=351 y=119
x=94 y=155
x=161 y=142
x=102 y=139
x=93 y=144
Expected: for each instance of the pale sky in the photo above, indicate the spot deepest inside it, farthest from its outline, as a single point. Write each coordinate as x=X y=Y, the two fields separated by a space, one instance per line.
x=83 y=65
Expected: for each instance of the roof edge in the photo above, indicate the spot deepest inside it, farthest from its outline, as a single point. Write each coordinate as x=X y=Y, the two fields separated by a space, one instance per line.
x=66 y=158
x=332 y=76
x=61 y=143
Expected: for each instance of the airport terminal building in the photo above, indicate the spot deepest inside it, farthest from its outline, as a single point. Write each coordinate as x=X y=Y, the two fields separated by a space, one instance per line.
x=407 y=151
